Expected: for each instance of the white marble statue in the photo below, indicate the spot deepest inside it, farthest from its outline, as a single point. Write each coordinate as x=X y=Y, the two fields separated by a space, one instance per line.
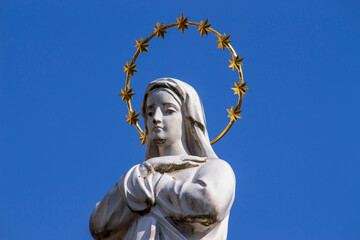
x=182 y=190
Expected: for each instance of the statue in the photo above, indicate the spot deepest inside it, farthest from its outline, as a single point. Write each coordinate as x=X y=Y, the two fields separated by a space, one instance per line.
x=182 y=190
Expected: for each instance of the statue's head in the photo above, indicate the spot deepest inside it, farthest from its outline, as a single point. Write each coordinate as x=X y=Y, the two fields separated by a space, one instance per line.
x=172 y=112
x=164 y=118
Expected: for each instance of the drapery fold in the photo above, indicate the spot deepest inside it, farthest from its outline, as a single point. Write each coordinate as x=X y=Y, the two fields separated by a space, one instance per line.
x=145 y=205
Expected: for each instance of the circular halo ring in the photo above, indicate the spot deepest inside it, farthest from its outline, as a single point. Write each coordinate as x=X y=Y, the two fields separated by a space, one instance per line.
x=182 y=24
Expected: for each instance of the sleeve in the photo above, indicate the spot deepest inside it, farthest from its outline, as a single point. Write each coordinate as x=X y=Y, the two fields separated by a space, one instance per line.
x=131 y=196
x=206 y=199
x=111 y=216
x=137 y=188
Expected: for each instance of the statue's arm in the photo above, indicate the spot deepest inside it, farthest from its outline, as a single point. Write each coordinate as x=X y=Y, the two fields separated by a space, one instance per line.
x=131 y=196
x=111 y=216
x=207 y=198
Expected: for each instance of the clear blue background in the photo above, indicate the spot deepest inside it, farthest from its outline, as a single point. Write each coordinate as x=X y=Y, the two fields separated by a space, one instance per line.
x=63 y=137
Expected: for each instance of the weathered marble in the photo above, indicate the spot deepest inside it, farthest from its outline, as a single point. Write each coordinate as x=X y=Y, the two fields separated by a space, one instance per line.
x=182 y=190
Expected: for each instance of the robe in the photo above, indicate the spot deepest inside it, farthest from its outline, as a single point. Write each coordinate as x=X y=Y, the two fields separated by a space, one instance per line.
x=192 y=203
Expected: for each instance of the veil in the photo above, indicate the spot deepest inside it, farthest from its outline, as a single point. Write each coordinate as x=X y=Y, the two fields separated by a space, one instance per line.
x=196 y=135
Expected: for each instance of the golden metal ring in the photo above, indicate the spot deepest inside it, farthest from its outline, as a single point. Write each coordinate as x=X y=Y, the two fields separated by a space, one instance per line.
x=182 y=24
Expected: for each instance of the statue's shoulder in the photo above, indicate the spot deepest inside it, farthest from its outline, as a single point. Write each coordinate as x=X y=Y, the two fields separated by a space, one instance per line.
x=218 y=175
x=218 y=162
x=218 y=166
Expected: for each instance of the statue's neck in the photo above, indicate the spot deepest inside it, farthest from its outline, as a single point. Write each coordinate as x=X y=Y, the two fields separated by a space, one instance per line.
x=177 y=148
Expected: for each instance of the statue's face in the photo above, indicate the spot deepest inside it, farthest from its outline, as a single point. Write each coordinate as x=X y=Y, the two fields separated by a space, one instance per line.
x=164 y=118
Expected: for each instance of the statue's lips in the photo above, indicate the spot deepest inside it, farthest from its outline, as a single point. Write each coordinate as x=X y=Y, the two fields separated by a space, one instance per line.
x=157 y=129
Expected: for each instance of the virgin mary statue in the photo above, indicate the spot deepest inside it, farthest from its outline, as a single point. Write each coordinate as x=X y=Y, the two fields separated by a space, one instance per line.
x=182 y=190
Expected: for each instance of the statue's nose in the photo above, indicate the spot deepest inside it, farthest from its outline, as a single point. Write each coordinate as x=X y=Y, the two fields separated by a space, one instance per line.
x=157 y=116
x=155 y=121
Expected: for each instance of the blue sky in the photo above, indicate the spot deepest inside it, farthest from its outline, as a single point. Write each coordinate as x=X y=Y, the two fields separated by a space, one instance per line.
x=64 y=141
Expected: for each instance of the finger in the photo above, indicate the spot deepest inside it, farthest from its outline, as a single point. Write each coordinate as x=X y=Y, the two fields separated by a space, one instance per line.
x=199 y=160
x=188 y=165
x=191 y=163
x=195 y=159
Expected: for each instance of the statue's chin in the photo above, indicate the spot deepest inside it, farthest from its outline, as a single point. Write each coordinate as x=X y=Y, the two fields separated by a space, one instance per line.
x=159 y=141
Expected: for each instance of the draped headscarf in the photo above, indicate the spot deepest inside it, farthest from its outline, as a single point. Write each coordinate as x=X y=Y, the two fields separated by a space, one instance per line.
x=196 y=135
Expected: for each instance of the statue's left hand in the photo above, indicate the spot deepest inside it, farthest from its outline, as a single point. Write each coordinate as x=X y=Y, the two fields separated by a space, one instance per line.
x=168 y=164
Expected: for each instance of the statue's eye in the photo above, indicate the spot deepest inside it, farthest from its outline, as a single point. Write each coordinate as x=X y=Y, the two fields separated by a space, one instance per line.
x=150 y=114
x=170 y=110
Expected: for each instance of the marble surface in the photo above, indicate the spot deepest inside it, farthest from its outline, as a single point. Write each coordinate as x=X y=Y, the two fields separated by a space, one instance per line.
x=182 y=190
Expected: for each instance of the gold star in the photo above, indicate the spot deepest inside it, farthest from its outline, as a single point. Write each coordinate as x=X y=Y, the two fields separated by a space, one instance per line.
x=182 y=23
x=126 y=94
x=160 y=30
x=132 y=117
x=141 y=45
x=130 y=68
x=204 y=27
x=142 y=137
x=240 y=88
x=234 y=113
x=223 y=41
x=235 y=62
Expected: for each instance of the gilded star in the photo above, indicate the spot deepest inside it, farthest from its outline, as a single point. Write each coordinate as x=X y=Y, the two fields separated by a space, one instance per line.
x=223 y=41
x=126 y=94
x=234 y=113
x=182 y=23
x=141 y=45
x=132 y=117
x=160 y=30
x=130 y=68
x=240 y=88
x=204 y=27
x=235 y=62
x=142 y=137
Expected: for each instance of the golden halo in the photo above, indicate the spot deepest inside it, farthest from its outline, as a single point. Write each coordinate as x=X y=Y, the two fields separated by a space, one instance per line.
x=182 y=24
